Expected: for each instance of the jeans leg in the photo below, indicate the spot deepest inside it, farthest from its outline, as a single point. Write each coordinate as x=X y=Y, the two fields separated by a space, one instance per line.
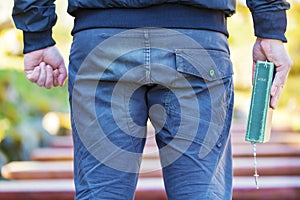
x=101 y=170
x=190 y=175
x=187 y=173
x=193 y=138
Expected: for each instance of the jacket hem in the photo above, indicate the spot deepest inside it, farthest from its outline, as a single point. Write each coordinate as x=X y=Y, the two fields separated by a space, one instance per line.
x=162 y=16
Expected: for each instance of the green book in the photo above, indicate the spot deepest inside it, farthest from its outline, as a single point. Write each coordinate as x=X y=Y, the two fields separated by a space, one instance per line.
x=260 y=114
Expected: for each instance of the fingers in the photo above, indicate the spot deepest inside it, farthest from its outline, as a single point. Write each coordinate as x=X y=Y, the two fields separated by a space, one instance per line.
x=253 y=71
x=277 y=87
x=62 y=74
x=49 y=77
x=44 y=76
x=275 y=95
x=55 y=78
x=277 y=90
x=33 y=75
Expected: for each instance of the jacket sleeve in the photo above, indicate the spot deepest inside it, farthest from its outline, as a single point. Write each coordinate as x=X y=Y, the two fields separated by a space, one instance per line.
x=36 y=18
x=269 y=18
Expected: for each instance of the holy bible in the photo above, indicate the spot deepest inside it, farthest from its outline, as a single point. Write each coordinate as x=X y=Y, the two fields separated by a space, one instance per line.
x=260 y=114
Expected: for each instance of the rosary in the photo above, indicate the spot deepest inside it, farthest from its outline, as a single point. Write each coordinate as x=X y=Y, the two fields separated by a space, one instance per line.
x=255 y=165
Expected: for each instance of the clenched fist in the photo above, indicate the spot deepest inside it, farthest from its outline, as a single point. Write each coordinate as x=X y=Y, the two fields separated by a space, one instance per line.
x=45 y=67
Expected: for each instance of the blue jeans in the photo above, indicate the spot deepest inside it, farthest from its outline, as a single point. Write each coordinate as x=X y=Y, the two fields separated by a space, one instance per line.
x=179 y=79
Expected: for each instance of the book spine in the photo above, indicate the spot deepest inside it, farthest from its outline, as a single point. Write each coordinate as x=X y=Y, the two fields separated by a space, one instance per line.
x=260 y=113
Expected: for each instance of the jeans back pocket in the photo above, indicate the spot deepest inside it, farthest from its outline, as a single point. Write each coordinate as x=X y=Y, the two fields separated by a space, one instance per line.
x=208 y=64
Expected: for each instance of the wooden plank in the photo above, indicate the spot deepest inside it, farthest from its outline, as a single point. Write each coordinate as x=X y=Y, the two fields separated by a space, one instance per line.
x=25 y=170
x=271 y=188
x=52 y=154
x=266 y=150
x=65 y=154
x=149 y=168
x=150 y=189
x=37 y=190
x=284 y=166
x=277 y=137
x=62 y=142
x=147 y=189
x=152 y=152
x=29 y=170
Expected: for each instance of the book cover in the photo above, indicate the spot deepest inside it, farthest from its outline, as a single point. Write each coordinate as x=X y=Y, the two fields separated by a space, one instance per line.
x=260 y=113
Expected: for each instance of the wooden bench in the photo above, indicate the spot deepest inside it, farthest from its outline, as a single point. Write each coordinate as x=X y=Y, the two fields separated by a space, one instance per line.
x=61 y=142
x=147 y=189
x=30 y=170
x=63 y=154
x=52 y=154
x=237 y=138
x=67 y=141
x=37 y=190
x=266 y=150
x=271 y=188
x=284 y=166
x=151 y=152
x=149 y=168
x=26 y=170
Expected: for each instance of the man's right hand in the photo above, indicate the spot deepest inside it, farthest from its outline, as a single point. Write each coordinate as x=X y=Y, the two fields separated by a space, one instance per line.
x=45 y=67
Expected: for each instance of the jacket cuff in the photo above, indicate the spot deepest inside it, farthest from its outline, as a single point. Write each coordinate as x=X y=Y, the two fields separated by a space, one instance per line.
x=37 y=40
x=271 y=24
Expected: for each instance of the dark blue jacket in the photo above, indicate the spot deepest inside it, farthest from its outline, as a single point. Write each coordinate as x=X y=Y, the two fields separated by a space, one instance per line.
x=37 y=17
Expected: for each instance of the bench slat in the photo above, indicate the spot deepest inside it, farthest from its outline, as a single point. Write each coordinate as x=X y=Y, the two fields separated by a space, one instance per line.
x=150 y=168
x=151 y=152
x=277 y=137
x=273 y=188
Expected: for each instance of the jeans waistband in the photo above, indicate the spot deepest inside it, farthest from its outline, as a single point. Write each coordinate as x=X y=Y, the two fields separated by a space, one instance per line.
x=163 y=16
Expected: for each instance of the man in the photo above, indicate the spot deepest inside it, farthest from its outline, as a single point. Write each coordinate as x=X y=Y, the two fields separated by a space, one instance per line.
x=123 y=70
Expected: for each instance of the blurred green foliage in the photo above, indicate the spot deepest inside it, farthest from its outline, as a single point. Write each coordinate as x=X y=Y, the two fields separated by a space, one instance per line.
x=293 y=32
x=22 y=106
